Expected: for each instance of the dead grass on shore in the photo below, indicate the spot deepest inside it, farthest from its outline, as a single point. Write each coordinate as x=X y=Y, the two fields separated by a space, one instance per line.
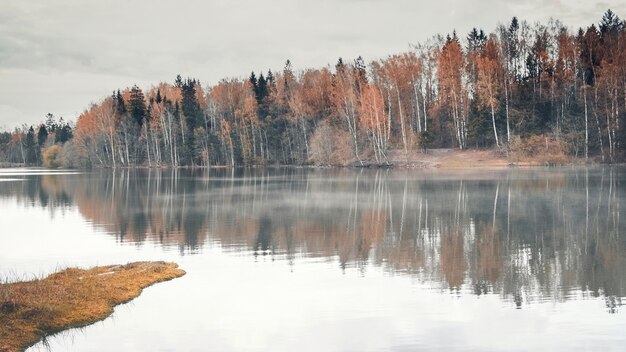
x=31 y=310
x=448 y=159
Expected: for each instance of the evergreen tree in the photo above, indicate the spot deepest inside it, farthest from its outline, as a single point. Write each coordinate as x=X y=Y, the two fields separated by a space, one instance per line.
x=262 y=90
x=31 y=147
x=263 y=103
x=360 y=70
x=589 y=43
x=50 y=123
x=120 y=104
x=479 y=127
x=270 y=78
x=63 y=133
x=514 y=25
x=137 y=106
x=42 y=136
x=476 y=40
x=537 y=61
x=511 y=48
x=610 y=25
x=189 y=104
x=512 y=45
x=253 y=82
x=178 y=82
x=190 y=109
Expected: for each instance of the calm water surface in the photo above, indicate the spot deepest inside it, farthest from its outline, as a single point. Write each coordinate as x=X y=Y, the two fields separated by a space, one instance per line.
x=335 y=260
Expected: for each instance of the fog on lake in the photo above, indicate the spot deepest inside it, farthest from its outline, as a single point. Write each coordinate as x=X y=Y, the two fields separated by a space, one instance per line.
x=306 y=258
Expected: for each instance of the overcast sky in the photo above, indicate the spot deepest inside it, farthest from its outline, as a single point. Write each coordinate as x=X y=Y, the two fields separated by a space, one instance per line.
x=59 y=56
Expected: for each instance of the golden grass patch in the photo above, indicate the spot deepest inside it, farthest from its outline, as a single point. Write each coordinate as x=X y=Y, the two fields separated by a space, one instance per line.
x=72 y=298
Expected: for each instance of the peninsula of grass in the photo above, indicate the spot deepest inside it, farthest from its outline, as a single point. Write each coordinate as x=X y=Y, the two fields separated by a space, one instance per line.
x=32 y=310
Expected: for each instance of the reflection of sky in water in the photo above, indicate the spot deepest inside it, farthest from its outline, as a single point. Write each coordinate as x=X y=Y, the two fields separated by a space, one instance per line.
x=334 y=260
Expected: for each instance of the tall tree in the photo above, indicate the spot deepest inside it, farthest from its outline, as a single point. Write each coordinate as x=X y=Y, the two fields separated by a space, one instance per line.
x=30 y=146
x=452 y=91
x=42 y=136
x=489 y=78
x=345 y=99
x=137 y=106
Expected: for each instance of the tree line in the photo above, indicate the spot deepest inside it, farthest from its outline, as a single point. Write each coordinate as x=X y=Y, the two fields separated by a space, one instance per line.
x=517 y=88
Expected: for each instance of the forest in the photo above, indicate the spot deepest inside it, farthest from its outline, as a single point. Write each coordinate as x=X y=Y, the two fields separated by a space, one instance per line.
x=521 y=88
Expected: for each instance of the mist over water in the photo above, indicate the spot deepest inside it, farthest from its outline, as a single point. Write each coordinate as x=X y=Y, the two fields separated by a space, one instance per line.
x=283 y=259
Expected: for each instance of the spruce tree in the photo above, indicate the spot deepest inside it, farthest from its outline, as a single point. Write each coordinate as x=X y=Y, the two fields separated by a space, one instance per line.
x=610 y=25
x=476 y=40
x=50 y=123
x=190 y=109
x=270 y=78
x=63 y=132
x=253 y=82
x=589 y=43
x=120 y=104
x=261 y=91
x=42 y=136
x=360 y=73
x=31 y=147
x=137 y=106
x=178 y=82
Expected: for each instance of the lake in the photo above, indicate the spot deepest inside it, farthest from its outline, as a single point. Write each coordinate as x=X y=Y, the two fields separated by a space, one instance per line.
x=334 y=260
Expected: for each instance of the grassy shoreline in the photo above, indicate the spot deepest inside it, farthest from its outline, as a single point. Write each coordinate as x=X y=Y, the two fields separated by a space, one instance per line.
x=32 y=310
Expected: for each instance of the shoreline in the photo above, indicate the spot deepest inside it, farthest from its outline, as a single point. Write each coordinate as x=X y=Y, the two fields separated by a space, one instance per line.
x=439 y=158
x=73 y=298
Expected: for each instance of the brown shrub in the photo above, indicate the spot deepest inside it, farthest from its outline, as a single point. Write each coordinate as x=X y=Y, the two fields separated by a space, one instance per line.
x=51 y=156
x=330 y=146
x=540 y=149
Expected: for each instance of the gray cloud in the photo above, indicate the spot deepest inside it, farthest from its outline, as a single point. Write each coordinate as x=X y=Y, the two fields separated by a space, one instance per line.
x=58 y=56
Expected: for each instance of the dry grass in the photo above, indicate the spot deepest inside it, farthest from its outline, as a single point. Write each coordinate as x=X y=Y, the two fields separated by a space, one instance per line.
x=31 y=310
x=534 y=151
x=448 y=158
x=541 y=150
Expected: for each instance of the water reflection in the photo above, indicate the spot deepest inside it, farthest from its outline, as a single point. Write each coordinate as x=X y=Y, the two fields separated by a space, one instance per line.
x=525 y=235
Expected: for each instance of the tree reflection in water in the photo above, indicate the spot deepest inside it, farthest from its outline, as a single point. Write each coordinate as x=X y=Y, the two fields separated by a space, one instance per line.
x=526 y=235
